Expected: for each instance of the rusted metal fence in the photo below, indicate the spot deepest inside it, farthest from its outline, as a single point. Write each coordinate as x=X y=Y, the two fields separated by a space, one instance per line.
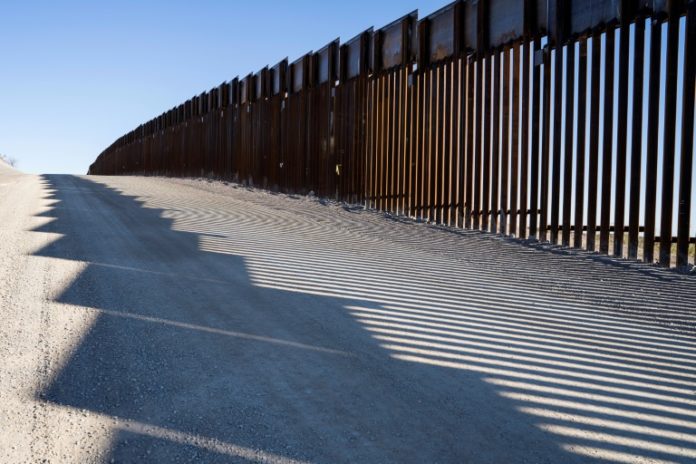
x=555 y=120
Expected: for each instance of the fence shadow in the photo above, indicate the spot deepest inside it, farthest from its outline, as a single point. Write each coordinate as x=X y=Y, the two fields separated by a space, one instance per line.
x=240 y=329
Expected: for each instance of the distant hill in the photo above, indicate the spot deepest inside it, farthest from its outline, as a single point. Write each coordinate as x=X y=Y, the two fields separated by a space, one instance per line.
x=5 y=167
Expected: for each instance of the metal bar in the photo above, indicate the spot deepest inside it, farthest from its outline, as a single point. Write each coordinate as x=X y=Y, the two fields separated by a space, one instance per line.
x=387 y=145
x=546 y=115
x=374 y=125
x=484 y=60
x=393 y=119
x=382 y=139
x=366 y=191
x=495 y=145
x=432 y=145
x=373 y=141
x=402 y=160
x=425 y=132
x=580 y=150
x=448 y=117
x=636 y=140
x=471 y=127
x=486 y=177
x=416 y=159
x=669 y=124
x=652 y=141
x=413 y=144
x=460 y=134
x=527 y=150
x=594 y=143
x=621 y=129
x=568 y=143
x=478 y=145
x=429 y=142
x=407 y=142
x=607 y=141
x=557 y=134
x=427 y=139
x=687 y=139
x=505 y=157
x=396 y=143
x=411 y=167
x=439 y=153
x=518 y=52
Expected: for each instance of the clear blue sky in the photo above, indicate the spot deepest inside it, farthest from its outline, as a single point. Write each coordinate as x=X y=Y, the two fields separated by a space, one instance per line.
x=75 y=75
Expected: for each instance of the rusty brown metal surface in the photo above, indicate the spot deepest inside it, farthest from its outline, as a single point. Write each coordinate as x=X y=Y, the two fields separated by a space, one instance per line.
x=608 y=134
x=570 y=118
x=483 y=115
x=580 y=151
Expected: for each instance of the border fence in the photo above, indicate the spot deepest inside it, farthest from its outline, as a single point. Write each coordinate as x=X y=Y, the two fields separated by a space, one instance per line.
x=563 y=121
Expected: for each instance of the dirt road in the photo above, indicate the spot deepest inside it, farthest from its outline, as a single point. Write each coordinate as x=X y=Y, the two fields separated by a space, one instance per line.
x=153 y=320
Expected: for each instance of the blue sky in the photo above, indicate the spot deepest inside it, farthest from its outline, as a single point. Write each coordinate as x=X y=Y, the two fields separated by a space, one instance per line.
x=75 y=75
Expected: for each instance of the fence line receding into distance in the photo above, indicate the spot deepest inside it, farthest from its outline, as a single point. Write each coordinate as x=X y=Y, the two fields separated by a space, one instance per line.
x=566 y=121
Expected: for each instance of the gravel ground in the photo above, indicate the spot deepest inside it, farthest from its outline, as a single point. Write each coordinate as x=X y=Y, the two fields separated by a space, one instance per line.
x=162 y=320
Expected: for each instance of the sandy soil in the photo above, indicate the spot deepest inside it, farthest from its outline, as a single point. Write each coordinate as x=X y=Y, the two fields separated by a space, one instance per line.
x=155 y=320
